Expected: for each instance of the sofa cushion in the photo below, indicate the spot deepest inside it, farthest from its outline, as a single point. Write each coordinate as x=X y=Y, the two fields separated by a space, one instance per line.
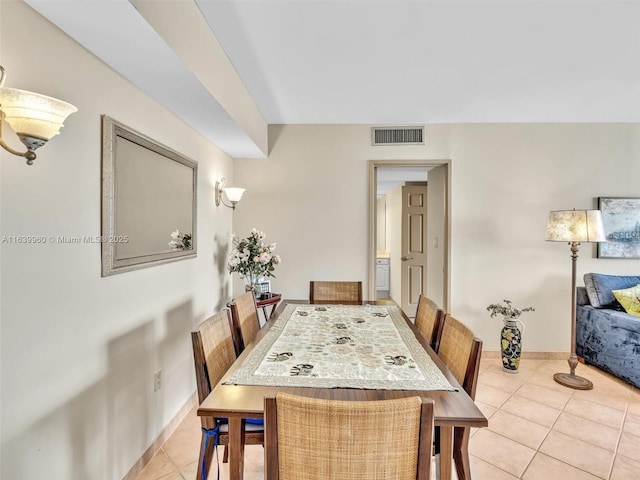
x=581 y=296
x=599 y=288
x=629 y=298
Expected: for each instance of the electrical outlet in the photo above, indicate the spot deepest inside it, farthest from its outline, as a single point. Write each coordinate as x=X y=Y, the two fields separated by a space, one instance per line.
x=157 y=380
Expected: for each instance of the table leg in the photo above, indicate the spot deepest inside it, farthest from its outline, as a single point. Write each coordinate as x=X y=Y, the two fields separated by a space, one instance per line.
x=446 y=452
x=236 y=448
x=461 y=452
x=267 y=316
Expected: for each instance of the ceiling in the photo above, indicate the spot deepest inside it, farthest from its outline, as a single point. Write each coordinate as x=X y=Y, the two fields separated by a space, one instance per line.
x=384 y=62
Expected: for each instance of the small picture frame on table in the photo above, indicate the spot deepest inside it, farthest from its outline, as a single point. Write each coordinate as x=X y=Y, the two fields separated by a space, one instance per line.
x=264 y=290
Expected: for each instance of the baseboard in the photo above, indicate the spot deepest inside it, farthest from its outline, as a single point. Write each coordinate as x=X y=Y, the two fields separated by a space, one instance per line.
x=166 y=432
x=495 y=354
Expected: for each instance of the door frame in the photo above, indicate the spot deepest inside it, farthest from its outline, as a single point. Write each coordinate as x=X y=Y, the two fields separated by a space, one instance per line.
x=371 y=239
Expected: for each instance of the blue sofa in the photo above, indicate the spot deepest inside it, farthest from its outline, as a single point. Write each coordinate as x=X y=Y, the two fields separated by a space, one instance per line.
x=607 y=336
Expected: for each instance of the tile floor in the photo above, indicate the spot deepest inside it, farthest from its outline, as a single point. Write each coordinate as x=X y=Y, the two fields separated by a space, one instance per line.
x=538 y=430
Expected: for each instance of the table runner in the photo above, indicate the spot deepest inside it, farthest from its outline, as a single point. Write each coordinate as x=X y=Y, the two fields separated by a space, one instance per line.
x=341 y=346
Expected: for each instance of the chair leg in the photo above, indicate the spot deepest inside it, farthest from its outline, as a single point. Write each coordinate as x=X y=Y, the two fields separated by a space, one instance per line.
x=436 y=450
x=436 y=440
x=206 y=455
x=461 y=452
x=225 y=455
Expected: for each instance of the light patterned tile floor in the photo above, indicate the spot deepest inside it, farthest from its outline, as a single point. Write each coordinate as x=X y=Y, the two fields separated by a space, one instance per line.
x=538 y=430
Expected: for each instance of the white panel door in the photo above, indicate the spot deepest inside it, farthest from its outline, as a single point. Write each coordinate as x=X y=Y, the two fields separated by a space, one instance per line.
x=414 y=251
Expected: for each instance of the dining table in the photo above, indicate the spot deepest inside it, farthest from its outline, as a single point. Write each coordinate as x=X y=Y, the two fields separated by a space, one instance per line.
x=240 y=393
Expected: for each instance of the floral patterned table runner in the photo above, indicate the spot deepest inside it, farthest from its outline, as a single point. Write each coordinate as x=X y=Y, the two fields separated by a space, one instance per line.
x=341 y=346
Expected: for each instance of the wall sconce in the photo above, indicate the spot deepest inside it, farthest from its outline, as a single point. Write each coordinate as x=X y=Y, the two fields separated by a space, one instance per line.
x=35 y=118
x=234 y=194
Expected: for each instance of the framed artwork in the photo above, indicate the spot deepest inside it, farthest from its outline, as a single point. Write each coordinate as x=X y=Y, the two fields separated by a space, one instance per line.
x=621 y=221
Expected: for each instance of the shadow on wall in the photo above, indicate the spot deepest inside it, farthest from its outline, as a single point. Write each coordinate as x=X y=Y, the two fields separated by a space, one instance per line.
x=176 y=360
x=103 y=430
x=129 y=388
x=220 y=257
x=97 y=432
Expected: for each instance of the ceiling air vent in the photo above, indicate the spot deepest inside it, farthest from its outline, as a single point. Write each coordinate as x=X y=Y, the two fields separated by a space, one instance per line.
x=397 y=136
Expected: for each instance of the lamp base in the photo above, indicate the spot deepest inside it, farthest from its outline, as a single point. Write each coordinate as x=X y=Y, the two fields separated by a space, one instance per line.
x=573 y=381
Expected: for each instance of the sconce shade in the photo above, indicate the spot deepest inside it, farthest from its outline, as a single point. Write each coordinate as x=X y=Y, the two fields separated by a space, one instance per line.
x=575 y=226
x=234 y=194
x=33 y=115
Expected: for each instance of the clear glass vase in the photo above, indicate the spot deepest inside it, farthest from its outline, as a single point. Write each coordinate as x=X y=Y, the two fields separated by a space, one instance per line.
x=251 y=282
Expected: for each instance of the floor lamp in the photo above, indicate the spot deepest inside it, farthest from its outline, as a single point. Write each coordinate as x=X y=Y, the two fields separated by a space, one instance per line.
x=574 y=227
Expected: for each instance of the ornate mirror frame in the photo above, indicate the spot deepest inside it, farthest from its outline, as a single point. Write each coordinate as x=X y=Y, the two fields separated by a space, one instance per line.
x=148 y=192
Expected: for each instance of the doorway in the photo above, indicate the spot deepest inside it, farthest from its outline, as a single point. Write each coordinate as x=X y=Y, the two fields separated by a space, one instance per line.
x=386 y=178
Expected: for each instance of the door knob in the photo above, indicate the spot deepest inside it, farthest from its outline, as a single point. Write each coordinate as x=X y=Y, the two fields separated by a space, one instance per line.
x=404 y=259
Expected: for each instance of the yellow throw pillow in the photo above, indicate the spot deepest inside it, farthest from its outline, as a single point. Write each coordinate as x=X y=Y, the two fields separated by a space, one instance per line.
x=629 y=298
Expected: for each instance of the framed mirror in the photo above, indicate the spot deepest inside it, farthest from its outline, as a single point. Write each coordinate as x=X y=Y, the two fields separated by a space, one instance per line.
x=149 y=197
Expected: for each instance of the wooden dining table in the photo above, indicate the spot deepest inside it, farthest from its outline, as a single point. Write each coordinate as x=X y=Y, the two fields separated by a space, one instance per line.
x=239 y=402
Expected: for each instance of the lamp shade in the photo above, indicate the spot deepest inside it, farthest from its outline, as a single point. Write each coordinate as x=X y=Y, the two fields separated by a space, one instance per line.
x=33 y=114
x=234 y=194
x=575 y=226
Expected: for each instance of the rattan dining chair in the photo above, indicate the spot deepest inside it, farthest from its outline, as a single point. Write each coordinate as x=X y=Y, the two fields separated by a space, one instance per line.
x=296 y=446
x=346 y=293
x=213 y=354
x=460 y=350
x=429 y=321
x=246 y=323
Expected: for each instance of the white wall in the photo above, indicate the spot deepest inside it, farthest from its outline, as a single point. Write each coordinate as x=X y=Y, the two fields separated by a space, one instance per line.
x=311 y=198
x=78 y=351
x=394 y=238
x=381 y=225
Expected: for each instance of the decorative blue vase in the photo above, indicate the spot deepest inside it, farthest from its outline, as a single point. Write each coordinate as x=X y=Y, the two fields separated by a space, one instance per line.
x=511 y=345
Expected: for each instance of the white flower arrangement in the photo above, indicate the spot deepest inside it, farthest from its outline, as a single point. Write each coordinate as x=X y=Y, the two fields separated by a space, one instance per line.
x=507 y=310
x=252 y=258
x=180 y=241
